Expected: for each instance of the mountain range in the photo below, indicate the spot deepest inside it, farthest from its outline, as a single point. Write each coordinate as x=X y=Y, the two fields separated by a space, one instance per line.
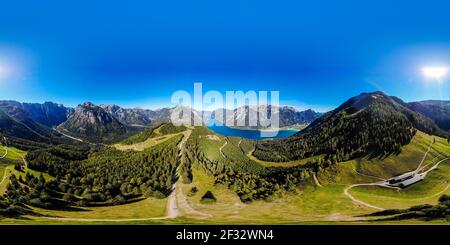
x=437 y=110
x=105 y=123
x=288 y=116
x=370 y=123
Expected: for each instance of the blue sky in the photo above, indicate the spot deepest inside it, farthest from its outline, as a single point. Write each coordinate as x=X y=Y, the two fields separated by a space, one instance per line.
x=137 y=53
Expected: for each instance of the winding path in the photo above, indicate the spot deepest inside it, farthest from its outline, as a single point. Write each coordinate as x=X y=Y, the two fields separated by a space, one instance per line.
x=424 y=156
x=68 y=136
x=6 y=149
x=220 y=149
x=384 y=182
x=316 y=180
x=175 y=201
x=4 y=175
x=6 y=168
x=172 y=204
x=8 y=171
x=6 y=152
x=434 y=167
x=346 y=192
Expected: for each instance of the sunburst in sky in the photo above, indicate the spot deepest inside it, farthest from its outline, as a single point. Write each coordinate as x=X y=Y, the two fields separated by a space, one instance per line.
x=435 y=73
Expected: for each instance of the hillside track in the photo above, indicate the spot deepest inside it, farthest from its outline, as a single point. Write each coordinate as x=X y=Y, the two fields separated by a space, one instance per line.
x=384 y=182
x=221 y=149
x=316 y=181
x=176 y=201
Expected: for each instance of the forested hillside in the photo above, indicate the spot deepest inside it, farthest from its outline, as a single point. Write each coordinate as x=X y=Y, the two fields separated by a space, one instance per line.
x=373 y=124
x=90 y=177
x=250 y=182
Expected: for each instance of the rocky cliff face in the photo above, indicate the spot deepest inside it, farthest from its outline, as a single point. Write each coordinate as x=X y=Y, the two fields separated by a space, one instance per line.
x=288 y=116
x=91 y=121
x=133 y=116
x=48 y=114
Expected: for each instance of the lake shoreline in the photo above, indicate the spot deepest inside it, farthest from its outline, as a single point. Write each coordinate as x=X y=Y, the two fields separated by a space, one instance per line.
x=253 y=134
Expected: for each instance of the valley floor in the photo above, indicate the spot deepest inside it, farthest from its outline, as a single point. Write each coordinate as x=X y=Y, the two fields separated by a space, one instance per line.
x=332 y=197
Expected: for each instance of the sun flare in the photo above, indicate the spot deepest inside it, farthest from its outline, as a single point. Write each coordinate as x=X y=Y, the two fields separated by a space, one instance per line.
x=435 y=72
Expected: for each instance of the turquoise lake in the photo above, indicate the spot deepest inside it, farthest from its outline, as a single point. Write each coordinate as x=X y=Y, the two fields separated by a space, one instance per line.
x=249 y=133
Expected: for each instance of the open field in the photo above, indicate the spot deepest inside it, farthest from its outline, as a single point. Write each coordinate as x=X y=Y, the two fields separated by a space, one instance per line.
x=435 y=184
x=329 y=203
x=209 y=145
x=146 y=144
x=309 y=204
x=12 y=157
x=148 y=208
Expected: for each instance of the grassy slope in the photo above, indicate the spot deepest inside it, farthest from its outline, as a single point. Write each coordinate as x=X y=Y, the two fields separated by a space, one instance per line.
x=427 y=191
x=150 y=142
x=209 y=146
x=150 y=137
x=148 y=208
x=328 y=203
x=7 y=165
x=310 y=204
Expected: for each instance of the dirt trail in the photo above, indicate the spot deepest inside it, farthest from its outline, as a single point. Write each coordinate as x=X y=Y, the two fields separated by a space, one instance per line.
x=7 y=170
x=424 y=156
x=316 y=180
x=4 y=155
x=68 y=136
x=178 y=203
x=175 y=202
x=220 y=149
x=185 y=207
x=383 y=182
x=346 y=192
x=6 y=152
x=423 y=174
x=5 y=147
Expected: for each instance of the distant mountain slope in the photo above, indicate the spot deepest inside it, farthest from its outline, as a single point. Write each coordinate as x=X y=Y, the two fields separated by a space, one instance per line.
x=22 y=131
x=437 y=110
x=9 y=126
x=134 y=116
x=145 y=117
x=371 y=123
x=94 y=123
x=48 y=113
x=288 y=116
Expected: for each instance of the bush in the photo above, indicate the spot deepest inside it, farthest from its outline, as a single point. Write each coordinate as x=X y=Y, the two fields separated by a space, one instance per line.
x=420 y=207
x=158 y=194
x=119 y=199
x=68 y=198
x=208 y=198
x=444 y=198
x=193 y=191
x=36 y=202
x=82 y=203
x=93 y=197
x=18 y=167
